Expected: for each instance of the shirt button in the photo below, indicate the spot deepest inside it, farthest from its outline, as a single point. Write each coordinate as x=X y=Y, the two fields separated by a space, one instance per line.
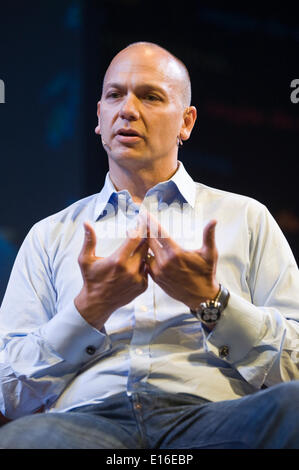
x=223 y=351
x=138 y=406
x=90 y=350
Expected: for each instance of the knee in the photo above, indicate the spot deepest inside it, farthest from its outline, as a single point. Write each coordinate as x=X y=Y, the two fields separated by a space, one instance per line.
x=286 y=396
x=64 y=431
x=27 y=432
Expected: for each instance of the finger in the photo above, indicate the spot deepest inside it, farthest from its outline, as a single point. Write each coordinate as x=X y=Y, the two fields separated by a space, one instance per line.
x=89 y=243
x=140 y=251
x=137 y=259
x=154 y=228
x=209 y=244
x=132 y=242
x=156 y=232
x=140 y=257
x=157 y=248
x=151 y=265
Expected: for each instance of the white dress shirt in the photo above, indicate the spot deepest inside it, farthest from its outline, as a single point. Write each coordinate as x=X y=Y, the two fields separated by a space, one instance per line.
x=50 y=356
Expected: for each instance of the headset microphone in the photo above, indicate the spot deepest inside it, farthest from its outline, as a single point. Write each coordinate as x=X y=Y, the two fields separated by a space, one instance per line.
x=105 y=145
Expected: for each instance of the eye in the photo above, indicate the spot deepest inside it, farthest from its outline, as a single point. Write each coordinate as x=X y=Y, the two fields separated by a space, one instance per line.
x=113 y=94
x=151 y=97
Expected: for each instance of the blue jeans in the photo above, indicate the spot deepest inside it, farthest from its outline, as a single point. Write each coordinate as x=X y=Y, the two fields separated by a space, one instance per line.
x=268 y=419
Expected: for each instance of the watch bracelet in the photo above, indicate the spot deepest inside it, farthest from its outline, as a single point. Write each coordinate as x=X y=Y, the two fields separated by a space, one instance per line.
x=222 y=293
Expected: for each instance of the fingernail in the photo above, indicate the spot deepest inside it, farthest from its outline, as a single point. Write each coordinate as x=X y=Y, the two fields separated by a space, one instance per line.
x=87 y=231
x=132 y=233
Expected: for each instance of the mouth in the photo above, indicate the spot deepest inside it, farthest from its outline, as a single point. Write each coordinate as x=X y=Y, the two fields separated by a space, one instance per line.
x=127 y=135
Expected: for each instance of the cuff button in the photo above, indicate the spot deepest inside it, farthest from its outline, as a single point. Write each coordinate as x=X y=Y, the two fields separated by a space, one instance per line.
x=90 y=350
x=223 y=352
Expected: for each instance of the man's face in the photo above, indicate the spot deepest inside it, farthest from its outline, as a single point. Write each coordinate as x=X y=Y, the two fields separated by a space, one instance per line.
x=141 y=110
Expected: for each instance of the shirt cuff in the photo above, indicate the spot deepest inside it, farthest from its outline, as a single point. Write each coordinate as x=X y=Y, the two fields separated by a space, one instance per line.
x=239 y=329
x=73 y=338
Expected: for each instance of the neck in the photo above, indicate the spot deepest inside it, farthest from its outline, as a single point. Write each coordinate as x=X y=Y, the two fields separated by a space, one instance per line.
x=139 y=180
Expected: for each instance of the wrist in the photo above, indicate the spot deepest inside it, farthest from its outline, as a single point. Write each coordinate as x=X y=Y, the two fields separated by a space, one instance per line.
x=210 y=294
x=90 y=309
x=209 y=311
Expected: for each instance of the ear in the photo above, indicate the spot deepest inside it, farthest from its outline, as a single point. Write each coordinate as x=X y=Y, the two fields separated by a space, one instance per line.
x=98 y=129
x=190 y=115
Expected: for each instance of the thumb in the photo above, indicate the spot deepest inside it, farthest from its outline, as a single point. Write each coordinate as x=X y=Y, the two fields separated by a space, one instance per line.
x=209 y=245
x=89 y=243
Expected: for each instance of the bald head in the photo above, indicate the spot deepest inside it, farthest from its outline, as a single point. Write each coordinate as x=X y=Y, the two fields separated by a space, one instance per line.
x=171 y=65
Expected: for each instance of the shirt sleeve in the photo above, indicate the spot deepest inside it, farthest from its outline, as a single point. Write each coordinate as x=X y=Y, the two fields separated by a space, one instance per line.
x=41 y=349
x=261 y=338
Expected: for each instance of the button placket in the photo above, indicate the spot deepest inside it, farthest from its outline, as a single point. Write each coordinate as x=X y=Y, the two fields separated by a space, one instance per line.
x=139 y=346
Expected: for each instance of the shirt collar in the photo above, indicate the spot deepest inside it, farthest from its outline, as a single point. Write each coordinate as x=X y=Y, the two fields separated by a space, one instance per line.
x=180 y=183
x=185 y=184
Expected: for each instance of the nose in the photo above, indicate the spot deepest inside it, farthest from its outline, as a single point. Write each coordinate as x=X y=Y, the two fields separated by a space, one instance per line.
x=129 y=108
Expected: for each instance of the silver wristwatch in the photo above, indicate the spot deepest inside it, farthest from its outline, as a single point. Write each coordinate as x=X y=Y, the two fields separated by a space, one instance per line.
x=209 y=311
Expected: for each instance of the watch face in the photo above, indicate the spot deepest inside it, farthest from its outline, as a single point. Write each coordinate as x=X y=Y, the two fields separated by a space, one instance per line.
x=210 y=315
x=211 y=312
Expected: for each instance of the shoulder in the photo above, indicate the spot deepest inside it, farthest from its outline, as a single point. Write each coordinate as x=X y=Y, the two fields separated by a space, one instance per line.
x=234 y=208
x=65 y=221
x=73 y=211
x=228 y=199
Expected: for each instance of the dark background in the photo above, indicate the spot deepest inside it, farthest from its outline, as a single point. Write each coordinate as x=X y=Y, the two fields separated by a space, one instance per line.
x=53 y=55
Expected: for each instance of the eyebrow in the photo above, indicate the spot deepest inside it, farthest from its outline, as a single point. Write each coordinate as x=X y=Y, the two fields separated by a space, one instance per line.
x=140 y=87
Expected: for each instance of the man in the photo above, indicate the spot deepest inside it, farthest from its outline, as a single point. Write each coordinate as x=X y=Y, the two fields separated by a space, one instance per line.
x=168 y=332
x=7 y=256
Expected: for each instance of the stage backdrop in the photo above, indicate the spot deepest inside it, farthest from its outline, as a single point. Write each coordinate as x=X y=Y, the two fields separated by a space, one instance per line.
x=41 y=123
x=243 y=64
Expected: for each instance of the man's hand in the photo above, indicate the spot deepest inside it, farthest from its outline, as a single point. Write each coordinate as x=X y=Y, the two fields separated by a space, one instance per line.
x=110 y=283
x=186 y=275
x=3 y=419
